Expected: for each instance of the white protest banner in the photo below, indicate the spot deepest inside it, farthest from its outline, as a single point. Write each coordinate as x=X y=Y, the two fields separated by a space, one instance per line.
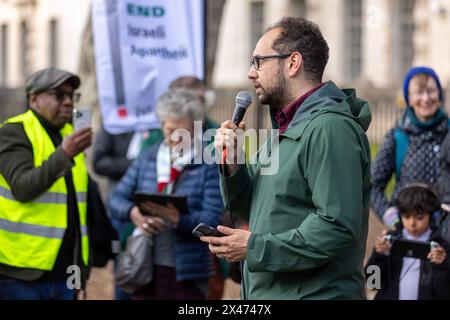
x=140 y=47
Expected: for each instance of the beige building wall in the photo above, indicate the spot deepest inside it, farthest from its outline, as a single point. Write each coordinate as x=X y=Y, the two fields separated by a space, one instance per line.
x=11 y=16
x=71 y=17
x=381 y=43
x=329 y=17
x=278 y=9
x=235 y=49
x=432 y=38
x=235 y=40
x=379 y=54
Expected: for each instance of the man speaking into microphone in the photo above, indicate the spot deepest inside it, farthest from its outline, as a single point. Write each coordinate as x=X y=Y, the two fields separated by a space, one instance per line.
x=308 y=221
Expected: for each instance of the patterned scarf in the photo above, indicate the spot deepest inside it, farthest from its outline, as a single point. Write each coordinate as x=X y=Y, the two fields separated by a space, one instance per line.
x=170 y=165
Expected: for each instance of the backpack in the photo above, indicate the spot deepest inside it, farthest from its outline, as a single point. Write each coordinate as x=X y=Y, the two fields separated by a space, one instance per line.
x=401 y=141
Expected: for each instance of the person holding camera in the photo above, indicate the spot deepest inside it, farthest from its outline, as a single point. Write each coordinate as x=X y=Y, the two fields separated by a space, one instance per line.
x=43 y=192
x=405 y=278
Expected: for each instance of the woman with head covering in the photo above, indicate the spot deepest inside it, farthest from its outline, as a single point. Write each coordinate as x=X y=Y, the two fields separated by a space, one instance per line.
x=411 y=149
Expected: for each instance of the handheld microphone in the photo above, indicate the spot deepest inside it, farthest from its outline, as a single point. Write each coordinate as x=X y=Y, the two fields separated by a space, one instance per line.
x=242 y=102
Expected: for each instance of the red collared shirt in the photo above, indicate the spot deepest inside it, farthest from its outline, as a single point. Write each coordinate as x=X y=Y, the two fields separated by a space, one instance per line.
x=285 y=115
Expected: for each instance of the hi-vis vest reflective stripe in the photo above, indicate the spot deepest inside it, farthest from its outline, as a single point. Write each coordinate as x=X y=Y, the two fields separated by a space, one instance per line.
x=31 y=233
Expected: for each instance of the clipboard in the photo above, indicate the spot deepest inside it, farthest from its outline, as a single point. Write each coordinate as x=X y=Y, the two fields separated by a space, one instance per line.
x=179 y=201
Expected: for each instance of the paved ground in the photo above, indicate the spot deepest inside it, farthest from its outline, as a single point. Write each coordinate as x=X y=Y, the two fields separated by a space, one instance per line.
x=101 y=283
x=101 y=286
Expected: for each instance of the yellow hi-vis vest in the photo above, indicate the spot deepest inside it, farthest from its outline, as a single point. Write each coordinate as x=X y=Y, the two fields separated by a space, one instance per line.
x=31 y=233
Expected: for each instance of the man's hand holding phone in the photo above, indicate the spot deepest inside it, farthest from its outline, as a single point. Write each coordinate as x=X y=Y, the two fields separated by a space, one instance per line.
x=231 y=246
x=81 y=119
x=77 y=142
x=82 y=137
x=203 y=230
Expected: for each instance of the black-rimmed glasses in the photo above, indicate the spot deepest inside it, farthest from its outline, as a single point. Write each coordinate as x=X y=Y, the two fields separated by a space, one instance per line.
x=61 y=95
x=256 y=60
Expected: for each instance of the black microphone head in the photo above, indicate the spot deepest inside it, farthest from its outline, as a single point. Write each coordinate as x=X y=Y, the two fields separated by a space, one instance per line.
x=243 y=99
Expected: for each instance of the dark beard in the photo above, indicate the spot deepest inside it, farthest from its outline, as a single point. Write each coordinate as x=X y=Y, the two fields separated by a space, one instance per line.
x=277 y=98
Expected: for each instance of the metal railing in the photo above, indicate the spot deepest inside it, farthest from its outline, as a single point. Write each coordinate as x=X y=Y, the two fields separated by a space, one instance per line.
x=386 y=106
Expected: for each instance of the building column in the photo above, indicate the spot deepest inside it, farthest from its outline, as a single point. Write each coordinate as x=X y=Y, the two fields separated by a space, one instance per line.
x=437 y=36
x=377 y=47
x=329 y=15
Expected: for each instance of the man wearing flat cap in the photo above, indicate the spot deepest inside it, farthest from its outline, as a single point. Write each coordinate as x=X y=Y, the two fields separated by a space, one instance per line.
x=43 y=193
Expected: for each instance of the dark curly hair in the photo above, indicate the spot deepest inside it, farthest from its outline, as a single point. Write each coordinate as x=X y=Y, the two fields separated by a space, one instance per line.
x=301 y=35
x=418 y=197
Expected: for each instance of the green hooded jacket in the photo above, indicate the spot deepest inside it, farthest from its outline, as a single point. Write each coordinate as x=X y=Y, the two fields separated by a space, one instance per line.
x=309 y=215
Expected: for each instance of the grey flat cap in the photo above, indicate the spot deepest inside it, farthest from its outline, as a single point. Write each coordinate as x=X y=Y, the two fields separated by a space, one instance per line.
x=50 y=78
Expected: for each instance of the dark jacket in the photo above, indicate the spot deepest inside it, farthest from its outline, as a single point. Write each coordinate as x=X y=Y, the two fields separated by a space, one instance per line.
x=444 y=184
x=200 y=183
x=444 y=176
x=110 y=160
x=421 y=161
x=309 y=215
x=109 y=154
x=103 y=237
x=434 y=279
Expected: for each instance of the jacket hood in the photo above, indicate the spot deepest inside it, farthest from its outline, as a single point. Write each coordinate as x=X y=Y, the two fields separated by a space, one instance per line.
x=329 y=98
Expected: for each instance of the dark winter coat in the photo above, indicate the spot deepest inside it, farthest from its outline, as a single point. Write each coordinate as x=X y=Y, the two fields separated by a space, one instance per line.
x=308 y=218
x=200 y=183
x=434 y=279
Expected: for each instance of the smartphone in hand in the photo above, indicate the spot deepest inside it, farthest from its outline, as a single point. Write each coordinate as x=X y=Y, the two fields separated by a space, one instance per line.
x=203 y=230
x=81 y=118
